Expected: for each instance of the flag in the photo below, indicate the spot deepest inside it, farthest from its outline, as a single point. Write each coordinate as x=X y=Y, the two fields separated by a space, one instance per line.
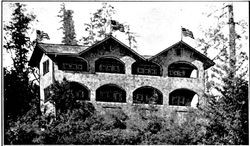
x=40 y=35
x=187 y=32
x=117 y=26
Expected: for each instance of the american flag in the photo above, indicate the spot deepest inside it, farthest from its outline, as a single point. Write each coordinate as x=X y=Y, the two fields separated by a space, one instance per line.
x=187 y=32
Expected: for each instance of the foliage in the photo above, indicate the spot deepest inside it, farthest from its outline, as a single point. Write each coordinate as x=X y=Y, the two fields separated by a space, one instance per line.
x=17 y=41
x=68 y=26
x=65 y=100
x=222 y=121
x=19 y=93
x=228 y=114
x=99 y=26
x=215 y=40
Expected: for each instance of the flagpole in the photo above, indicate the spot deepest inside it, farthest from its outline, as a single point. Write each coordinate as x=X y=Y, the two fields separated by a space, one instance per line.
x=181 y=33
x=110 y=26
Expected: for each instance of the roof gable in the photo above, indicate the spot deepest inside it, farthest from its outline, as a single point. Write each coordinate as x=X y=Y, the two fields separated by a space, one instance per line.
x=116 y=40
x=207 y=62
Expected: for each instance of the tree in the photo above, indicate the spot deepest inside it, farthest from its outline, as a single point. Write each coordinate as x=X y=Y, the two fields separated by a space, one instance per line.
x=18 y=90
x=102 y=25
x=17 y=41
x=216 y=41
x=226 y=113
x=20 y=95
x=68 y=26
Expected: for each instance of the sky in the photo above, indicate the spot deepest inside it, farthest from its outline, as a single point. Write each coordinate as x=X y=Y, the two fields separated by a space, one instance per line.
x=157 y=24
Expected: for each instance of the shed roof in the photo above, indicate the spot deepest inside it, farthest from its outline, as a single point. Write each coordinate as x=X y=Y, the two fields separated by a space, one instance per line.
x=61 y=48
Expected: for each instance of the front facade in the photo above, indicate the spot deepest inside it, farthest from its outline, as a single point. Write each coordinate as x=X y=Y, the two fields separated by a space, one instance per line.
x=112 y=76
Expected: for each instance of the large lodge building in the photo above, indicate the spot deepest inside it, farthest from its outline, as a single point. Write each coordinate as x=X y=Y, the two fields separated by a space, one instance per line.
x=111 y=75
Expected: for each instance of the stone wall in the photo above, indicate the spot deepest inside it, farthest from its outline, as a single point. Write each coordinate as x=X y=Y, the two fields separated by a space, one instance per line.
x=129 y=82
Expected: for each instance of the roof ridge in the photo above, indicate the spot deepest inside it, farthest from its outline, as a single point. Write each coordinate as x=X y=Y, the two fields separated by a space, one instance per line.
x=61 y=44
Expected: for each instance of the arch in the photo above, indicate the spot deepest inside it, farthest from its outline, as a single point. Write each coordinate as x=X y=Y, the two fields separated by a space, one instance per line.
x=182 y=97
x=81 y=92
x=110 y=93
x=73 y=63
x=110 y=65
x=182 y=69
x=146 y=68
x=147 y=95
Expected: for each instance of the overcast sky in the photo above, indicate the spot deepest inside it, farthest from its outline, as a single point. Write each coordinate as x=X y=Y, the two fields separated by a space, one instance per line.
x=157 y=24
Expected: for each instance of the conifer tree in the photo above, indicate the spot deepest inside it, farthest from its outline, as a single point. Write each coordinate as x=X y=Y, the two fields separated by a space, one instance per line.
x=18 y=91
x=227 y=112
x=68 y=27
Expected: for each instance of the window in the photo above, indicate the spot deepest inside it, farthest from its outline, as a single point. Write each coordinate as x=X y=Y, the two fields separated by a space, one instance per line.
x=110 y=93
x=181 y=97
x=72 y=64
x=153 y=71
x=45 y=67
x=146 y=68
x=46 y=94
x=178 y=52
x=79 y=67
x=182 y=69
x=79 y=91
x=147 y=95
x=109 y=65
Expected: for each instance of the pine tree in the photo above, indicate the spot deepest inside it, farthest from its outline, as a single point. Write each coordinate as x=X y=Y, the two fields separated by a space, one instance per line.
x=18 y=91
x=227 y=112
x=68 y=27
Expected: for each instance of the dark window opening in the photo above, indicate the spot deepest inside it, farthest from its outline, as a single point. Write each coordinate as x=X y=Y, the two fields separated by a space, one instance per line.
x=45 y=67
x=182 y=69
x=79 y=91
x=147 y=68
x=47 y=94
x=109 y=65
x=147 y=95
x=110 y=93
x=73 y=64
x=181 y=97
x=178 y=52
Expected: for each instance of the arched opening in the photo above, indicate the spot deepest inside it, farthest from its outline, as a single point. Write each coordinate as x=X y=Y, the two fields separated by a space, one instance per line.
x=79 y=91
x=183 y=97
x=182 y=69
x=110 y=93
x=72 y=63
x=146 y=68
x=147 y=95
x=109 y=65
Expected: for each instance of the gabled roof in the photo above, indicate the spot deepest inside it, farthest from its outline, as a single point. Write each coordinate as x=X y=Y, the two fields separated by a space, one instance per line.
x=77 y=50
x=71 y=50
x=113 y=38
x=207 y=62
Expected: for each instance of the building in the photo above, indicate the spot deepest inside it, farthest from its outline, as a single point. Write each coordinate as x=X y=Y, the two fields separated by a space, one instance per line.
x=111 y=75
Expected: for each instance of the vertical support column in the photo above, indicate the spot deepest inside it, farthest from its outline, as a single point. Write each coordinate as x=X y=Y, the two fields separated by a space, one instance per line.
x=129 y=98
x=128 y=61
x=92 y=95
